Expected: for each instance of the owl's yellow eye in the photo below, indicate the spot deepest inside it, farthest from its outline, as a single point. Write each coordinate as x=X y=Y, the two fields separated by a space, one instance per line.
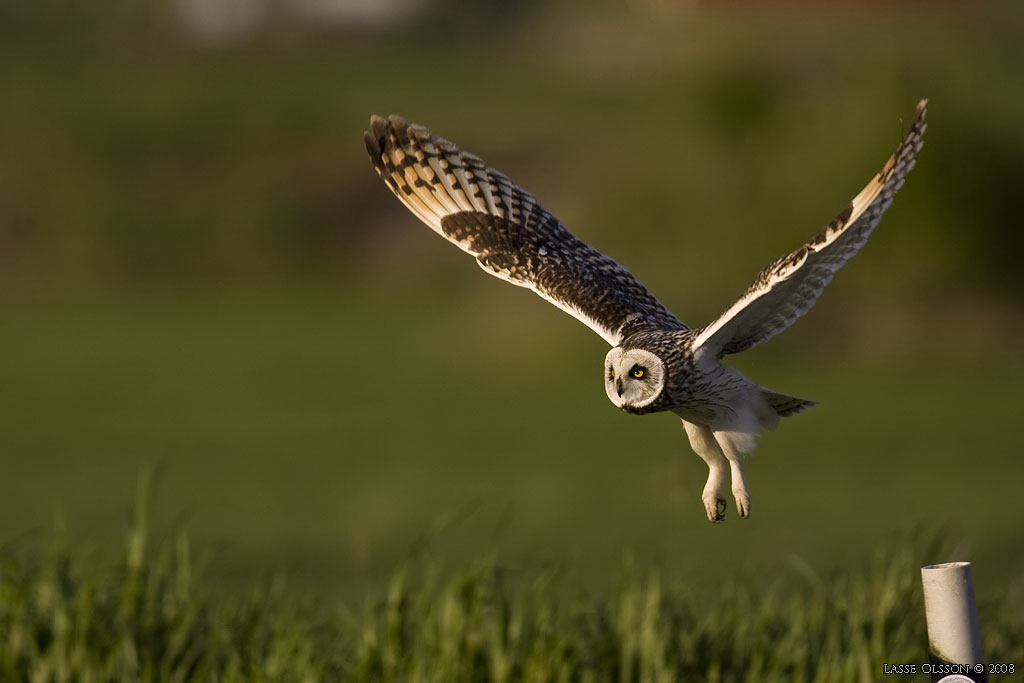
x=638 y=373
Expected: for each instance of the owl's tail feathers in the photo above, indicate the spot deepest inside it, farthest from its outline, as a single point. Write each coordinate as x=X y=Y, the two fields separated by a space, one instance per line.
x=783 y=405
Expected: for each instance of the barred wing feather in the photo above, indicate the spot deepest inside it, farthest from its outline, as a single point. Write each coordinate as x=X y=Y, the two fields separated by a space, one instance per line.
x=789 y=286
x=511 y=235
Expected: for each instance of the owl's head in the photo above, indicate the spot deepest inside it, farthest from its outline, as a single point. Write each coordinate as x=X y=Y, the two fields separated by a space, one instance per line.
x=633 y=378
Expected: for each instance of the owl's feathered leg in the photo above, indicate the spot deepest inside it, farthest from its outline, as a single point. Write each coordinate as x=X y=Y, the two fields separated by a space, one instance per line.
x=734 y=444
x=702 y=441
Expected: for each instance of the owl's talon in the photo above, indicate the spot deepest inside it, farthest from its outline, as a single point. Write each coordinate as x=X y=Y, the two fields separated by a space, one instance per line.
x=716 y=510
x=743 y=504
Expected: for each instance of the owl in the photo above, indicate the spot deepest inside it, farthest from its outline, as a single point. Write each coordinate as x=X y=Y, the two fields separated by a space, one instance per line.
x=656 y=363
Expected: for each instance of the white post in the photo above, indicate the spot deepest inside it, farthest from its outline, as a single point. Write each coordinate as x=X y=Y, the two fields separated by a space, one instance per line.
x=952 y=616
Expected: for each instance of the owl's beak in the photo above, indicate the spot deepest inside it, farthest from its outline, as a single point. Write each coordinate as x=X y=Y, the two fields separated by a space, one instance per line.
x=618 y=387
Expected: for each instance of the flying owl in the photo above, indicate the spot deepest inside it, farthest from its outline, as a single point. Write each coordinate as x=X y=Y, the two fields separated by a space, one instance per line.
x=656 y=363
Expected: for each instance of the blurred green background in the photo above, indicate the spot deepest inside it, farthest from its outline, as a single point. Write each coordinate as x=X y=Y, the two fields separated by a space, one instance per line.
x=201 y=274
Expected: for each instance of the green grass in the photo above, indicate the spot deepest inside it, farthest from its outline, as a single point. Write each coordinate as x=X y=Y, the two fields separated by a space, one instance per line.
x=149 y=616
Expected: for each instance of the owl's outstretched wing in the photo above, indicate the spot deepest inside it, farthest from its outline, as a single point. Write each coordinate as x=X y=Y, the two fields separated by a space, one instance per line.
x=788 y=287
x=511 y=235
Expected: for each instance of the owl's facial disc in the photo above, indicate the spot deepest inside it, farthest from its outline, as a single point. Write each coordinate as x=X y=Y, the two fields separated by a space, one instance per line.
x=633 y=378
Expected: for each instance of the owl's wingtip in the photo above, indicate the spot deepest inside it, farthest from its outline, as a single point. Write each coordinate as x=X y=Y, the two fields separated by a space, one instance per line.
x=397 y=124
x=381 y=128
x=375 y=138
x=378 y=125
x=372 y=146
